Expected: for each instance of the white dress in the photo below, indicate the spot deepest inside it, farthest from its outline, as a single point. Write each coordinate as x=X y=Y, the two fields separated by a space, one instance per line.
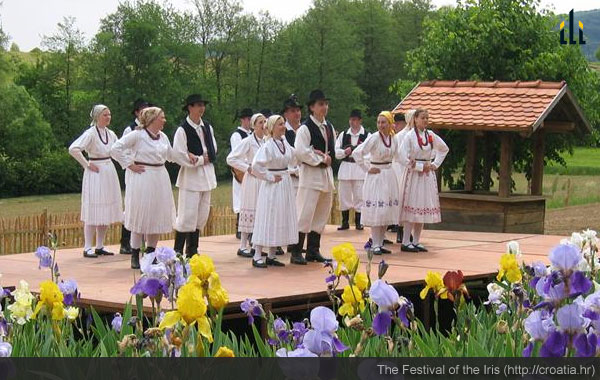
x=380 y=191
x=239 y=158
x=420 y=198
x=149 y=204
x=101 y=202
x=398 y=167
x=276 y=223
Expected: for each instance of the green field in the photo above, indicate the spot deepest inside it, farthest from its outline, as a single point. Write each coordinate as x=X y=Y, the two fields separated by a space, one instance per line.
x=585 y=161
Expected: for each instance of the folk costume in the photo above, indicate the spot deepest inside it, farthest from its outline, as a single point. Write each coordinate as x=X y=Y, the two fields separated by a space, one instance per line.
x=235 y=139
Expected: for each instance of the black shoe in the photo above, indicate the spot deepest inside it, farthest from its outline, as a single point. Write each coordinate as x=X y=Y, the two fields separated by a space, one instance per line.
x=377 y=251
x=386 y=241
x=297 y=248
x=180 y=238
x=279 y=251
x=345 y=217
x=192 y=243
x=135 y=258
x=392 y=228
x=274 y=262
x=420 y=247
x=385 y=251
x=103 y=252
x=261 y=264
x=125 y=241
x=297 y=258
x=409 y=248
x=312 y=251
x=89 y=254
x=357 y=217
x=244 y=253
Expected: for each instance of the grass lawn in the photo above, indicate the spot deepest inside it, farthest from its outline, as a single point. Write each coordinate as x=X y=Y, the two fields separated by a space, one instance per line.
x=584 y=161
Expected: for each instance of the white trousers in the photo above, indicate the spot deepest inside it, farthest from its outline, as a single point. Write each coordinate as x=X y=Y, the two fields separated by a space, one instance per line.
x=314 y=208
x=192 y=210
x=350 y=194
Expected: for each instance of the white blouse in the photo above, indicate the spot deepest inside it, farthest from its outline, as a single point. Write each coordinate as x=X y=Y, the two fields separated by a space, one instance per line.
x=375 y=150
x=242 y=155
x=411 y=151
x=91 y=142
x=138 y=146
x=270 y=156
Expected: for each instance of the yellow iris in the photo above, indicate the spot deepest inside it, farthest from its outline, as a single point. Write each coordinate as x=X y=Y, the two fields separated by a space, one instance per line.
x=353 y=301
x=361 y=281
x=346 y=257
x=433 y=281
x=224 y=352
x=191 y=308
x=52 y=299
x=202 y=266
x=509 y=269
x=217 y=295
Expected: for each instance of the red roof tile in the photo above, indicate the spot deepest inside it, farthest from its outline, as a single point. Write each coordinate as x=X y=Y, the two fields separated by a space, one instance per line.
x=508 y=106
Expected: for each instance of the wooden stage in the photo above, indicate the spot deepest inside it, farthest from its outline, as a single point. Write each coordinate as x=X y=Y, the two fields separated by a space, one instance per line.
x=105 y=282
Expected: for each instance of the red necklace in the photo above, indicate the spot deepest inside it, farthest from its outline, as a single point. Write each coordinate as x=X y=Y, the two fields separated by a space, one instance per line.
x=100 y=136
x=428 y=139
x=151 y=135
x=387 y=144
x=280 y=149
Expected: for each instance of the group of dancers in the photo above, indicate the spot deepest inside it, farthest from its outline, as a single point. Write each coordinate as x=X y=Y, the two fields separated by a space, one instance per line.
x=283 y=179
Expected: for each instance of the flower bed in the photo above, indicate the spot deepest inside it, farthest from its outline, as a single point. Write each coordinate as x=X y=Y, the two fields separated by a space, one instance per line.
x=532 y=310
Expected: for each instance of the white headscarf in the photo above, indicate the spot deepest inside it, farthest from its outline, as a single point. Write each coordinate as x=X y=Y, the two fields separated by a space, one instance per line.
x=95 y=113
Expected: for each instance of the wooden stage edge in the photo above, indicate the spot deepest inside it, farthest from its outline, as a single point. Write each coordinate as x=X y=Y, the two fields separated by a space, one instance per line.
x=104 y=282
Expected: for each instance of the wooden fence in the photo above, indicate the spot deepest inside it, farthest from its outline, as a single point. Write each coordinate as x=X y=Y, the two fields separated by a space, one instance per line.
x=26 y=233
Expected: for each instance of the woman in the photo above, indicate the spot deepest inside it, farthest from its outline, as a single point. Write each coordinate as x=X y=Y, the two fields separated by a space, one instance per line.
x=276 y=223
x=241 y=158
x=149 y=205
x=422 y=152
x=101 y=203
x=400 y=169
x=380 y=191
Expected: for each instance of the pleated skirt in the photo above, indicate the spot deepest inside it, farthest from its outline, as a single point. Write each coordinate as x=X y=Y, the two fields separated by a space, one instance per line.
x=249 y=193
x=101 y=202
x=276 y=223
x=149 y=204
x=381 y=205
x=421 y=201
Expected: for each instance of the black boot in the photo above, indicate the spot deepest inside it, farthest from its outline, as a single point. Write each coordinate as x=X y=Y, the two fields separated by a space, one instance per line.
x=135 y=258
x=149 y=250
x=312 y=248
x=192 y=243
x=238 y=234
x=345 y=217
x=399 y=234
x=296 y=250
x=125 y=241
x=180 y=238
x=359 y=226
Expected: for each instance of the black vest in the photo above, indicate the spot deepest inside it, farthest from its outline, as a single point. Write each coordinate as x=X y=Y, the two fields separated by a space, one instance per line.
x=241 y=132
x=290 y=136
x=317 y=140
x=194 y=145
x=347 y=142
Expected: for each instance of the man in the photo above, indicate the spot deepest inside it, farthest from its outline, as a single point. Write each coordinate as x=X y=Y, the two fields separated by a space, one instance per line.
x=195 y=136
x=292 y=112
x=236 y=138
x=399 y=122
x=350 y=175
x=138 y=106
x=315 y=148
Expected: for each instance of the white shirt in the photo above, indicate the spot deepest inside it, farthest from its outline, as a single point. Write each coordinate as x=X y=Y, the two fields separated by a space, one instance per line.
x=241 y=157
x=128 y=129
x=349 y=171
x=375 y=150
x=410 y=149
x=236 y=138
x=311 y=175
x=295 y=168
x=138 y=146
x=200 y=177
x=269 y=156
x=90 y=142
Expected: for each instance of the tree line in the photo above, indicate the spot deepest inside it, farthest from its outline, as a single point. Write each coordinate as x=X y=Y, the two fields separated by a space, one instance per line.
x=364 y=54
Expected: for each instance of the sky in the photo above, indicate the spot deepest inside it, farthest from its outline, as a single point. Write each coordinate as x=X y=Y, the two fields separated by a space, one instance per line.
x=27 y=21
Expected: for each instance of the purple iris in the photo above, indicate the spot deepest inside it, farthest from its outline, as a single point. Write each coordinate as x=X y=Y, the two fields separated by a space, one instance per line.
x=69 y=290
x=586 y=345
x=45 y=257
x=151 y=287
x=297 y=353
x=382 y=268
x=565 y=257
x=281 y=330
x=5 y=349
x=570 y=318
x=527 y=350
x=382 y=322
x=321 y=338
x=552 y=289
x=252 y=309
x=389 y=303
x=555 y=346
x=579 y=284
x=299 y=329
x=384 y=295
x=330 y=279
x=117 y=322
x=165 y=255
x=539 y=325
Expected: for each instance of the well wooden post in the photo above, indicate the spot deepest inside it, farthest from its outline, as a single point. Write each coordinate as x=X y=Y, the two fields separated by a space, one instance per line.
x=537 y=166
x=470 y=161
x=505 y=165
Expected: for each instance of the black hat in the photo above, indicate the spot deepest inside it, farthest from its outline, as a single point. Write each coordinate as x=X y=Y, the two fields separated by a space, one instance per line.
x=315 y=96
x=139 y=104
x=246 y=112
x=193 y=99
x=356 y=113
x=266 y=112
x=291 y=102
x=399 y=117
